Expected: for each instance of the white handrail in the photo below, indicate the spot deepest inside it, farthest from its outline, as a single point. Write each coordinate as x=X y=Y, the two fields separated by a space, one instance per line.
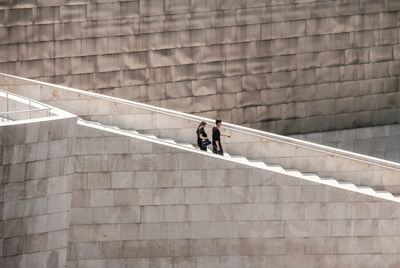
x=25 y=111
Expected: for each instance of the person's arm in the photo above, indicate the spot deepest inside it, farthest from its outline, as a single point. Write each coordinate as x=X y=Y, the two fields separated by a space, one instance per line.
x=217 y=143
x=203 y=134
x=226 y=135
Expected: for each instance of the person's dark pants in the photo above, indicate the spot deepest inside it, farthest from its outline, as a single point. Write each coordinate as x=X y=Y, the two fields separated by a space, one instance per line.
x=203 y=148
x=220 y=152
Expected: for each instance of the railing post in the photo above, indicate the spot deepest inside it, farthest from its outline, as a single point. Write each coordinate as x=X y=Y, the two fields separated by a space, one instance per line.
x=30 y=109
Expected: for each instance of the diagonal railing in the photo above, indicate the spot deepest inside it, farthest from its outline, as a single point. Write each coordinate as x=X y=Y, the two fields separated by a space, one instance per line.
x=255 y=144
x=33 y=106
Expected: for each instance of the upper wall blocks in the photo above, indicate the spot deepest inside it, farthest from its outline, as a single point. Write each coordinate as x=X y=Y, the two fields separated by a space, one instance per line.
x=171 y=52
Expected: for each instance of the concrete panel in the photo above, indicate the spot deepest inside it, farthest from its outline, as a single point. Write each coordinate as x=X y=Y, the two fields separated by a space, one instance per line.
x=103 y=11
x=288 y=29
x=204 y=87
x=384 y=53
x=151 y=7
x=22 y=16
x=177 y=6
x=73 y=13
x=48 y=14
x=129 y=9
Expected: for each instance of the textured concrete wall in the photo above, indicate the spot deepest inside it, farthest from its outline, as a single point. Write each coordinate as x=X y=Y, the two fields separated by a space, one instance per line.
x=140 y=204
x=36 y=168
x=382 y=141
x=284 y=66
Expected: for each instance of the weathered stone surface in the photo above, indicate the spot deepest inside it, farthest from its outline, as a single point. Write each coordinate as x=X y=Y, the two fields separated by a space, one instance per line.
x=113 y=44
x=30 y=215
x=381 y=53
x=204 y=87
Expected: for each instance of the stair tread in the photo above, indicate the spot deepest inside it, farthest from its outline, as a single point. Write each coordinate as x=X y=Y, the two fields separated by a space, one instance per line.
x=168 y=140
x=310 y=174
x=346 y=183
x=382 y=192
x=186 y=145
x=292 y=170
x=240 y=158
x=257 y=162
x=276 y=167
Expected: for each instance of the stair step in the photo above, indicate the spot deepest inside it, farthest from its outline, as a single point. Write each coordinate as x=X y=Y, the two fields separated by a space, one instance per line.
x=276 y=168
x=131 y=131
x=167 y=140
x=384 y=194
x=330 y=181
x=366 y=189
x=310 y=174
x=258 y=163
x=227 y=155
x=311 y=177
x=149 y=135
x=240 y=158
x=294 y=172
x=348 y=185
x=188 y=145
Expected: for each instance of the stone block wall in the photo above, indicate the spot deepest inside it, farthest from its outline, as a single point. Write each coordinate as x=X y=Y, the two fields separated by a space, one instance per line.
x=284 y=66
x=380 y=141
x=36 y=168
x=136 y=203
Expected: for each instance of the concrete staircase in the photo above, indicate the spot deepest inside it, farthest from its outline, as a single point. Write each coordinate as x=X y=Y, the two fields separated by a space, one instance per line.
x=312 y=177
x=309 y=161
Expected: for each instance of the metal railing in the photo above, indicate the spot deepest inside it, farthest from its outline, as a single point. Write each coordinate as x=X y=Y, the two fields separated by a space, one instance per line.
x=34 y=106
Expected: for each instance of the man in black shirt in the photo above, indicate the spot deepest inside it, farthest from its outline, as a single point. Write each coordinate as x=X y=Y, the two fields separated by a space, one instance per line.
x=216 y=138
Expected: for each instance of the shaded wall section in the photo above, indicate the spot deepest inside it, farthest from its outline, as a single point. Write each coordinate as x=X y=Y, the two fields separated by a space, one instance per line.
x=379 y=141
x=36 y=168
x=283 y=66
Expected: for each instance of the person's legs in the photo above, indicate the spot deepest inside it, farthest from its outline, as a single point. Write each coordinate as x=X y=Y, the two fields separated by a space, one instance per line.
x=220 y=152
